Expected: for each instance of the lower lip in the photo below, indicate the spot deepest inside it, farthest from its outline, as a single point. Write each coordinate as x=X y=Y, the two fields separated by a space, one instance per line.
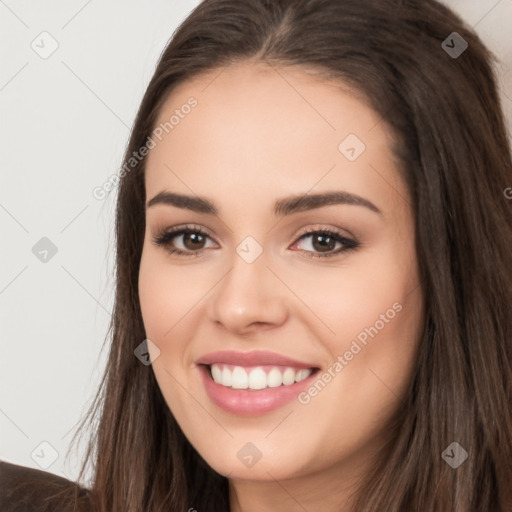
x=251 y=402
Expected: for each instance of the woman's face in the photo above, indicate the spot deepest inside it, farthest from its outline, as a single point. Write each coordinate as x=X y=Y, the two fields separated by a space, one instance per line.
x=322 y=326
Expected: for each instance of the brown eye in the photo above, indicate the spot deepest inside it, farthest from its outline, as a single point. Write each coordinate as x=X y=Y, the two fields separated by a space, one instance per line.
x=323 y=243
x=193 y=240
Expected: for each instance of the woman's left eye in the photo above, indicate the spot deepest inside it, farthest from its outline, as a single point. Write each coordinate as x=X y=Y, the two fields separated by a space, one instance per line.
x=323 y=242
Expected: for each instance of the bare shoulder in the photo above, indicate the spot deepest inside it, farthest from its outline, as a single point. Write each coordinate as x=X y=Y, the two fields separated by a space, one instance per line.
x=24 y=489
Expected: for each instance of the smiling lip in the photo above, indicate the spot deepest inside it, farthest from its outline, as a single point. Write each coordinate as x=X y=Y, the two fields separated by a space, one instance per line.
x=257 y=358
x=250 y=402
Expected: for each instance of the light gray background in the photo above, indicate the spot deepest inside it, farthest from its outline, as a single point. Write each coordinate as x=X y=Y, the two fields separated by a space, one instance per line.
x=65 y=121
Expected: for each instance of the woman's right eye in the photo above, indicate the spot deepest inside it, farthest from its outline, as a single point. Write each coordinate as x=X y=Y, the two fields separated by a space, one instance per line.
x=190 y=236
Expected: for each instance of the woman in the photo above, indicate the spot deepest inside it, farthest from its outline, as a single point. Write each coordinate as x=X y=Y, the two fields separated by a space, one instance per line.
x=313 y=247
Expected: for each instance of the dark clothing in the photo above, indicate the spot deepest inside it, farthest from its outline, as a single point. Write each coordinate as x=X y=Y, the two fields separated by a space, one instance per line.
x=24 y=489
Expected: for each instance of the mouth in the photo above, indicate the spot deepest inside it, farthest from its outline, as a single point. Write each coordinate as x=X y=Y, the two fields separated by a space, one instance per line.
x=254 y=390
x=257 y=377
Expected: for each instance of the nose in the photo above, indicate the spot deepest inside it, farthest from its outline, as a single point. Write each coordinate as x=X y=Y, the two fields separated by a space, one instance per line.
x=248 y=298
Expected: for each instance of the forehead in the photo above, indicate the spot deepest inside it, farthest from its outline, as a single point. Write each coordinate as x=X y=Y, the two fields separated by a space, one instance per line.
x=284 y=129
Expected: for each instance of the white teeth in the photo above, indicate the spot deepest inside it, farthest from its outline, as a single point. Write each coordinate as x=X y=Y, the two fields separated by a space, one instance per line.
x=216 y=373
x=302 y=374
x=274 y=378
x=255 y=377
x=225 y=377
x=289 y=376
x=240 y=379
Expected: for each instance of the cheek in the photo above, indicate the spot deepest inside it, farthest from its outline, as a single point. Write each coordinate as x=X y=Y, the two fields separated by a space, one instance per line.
x=164 y=304
x=370 y=306
x=375 y=312
x=166 y=293
x=373 y=295
x=379 y=322
x=170 y=300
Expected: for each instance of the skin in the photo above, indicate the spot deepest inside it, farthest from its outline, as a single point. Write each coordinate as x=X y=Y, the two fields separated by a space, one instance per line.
x=259 y=134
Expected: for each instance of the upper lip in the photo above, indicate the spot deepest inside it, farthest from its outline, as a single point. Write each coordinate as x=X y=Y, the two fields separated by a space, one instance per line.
x=255 y=358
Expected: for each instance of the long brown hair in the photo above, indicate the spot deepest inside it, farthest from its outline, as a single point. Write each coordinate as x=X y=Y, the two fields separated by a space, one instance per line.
x=451 y=139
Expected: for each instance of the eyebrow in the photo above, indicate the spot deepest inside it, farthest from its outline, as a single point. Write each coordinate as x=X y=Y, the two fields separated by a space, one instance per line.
x=282 y=207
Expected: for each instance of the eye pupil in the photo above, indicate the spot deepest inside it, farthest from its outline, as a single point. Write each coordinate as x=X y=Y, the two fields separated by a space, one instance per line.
x=194 y=237
x=324 y=244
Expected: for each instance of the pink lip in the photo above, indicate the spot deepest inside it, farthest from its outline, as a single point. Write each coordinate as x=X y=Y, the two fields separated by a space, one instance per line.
x=255 y=358
x=245 y=401
x=251 y=402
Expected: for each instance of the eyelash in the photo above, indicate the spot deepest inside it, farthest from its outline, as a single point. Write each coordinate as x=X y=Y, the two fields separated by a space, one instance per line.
x=165 y=237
